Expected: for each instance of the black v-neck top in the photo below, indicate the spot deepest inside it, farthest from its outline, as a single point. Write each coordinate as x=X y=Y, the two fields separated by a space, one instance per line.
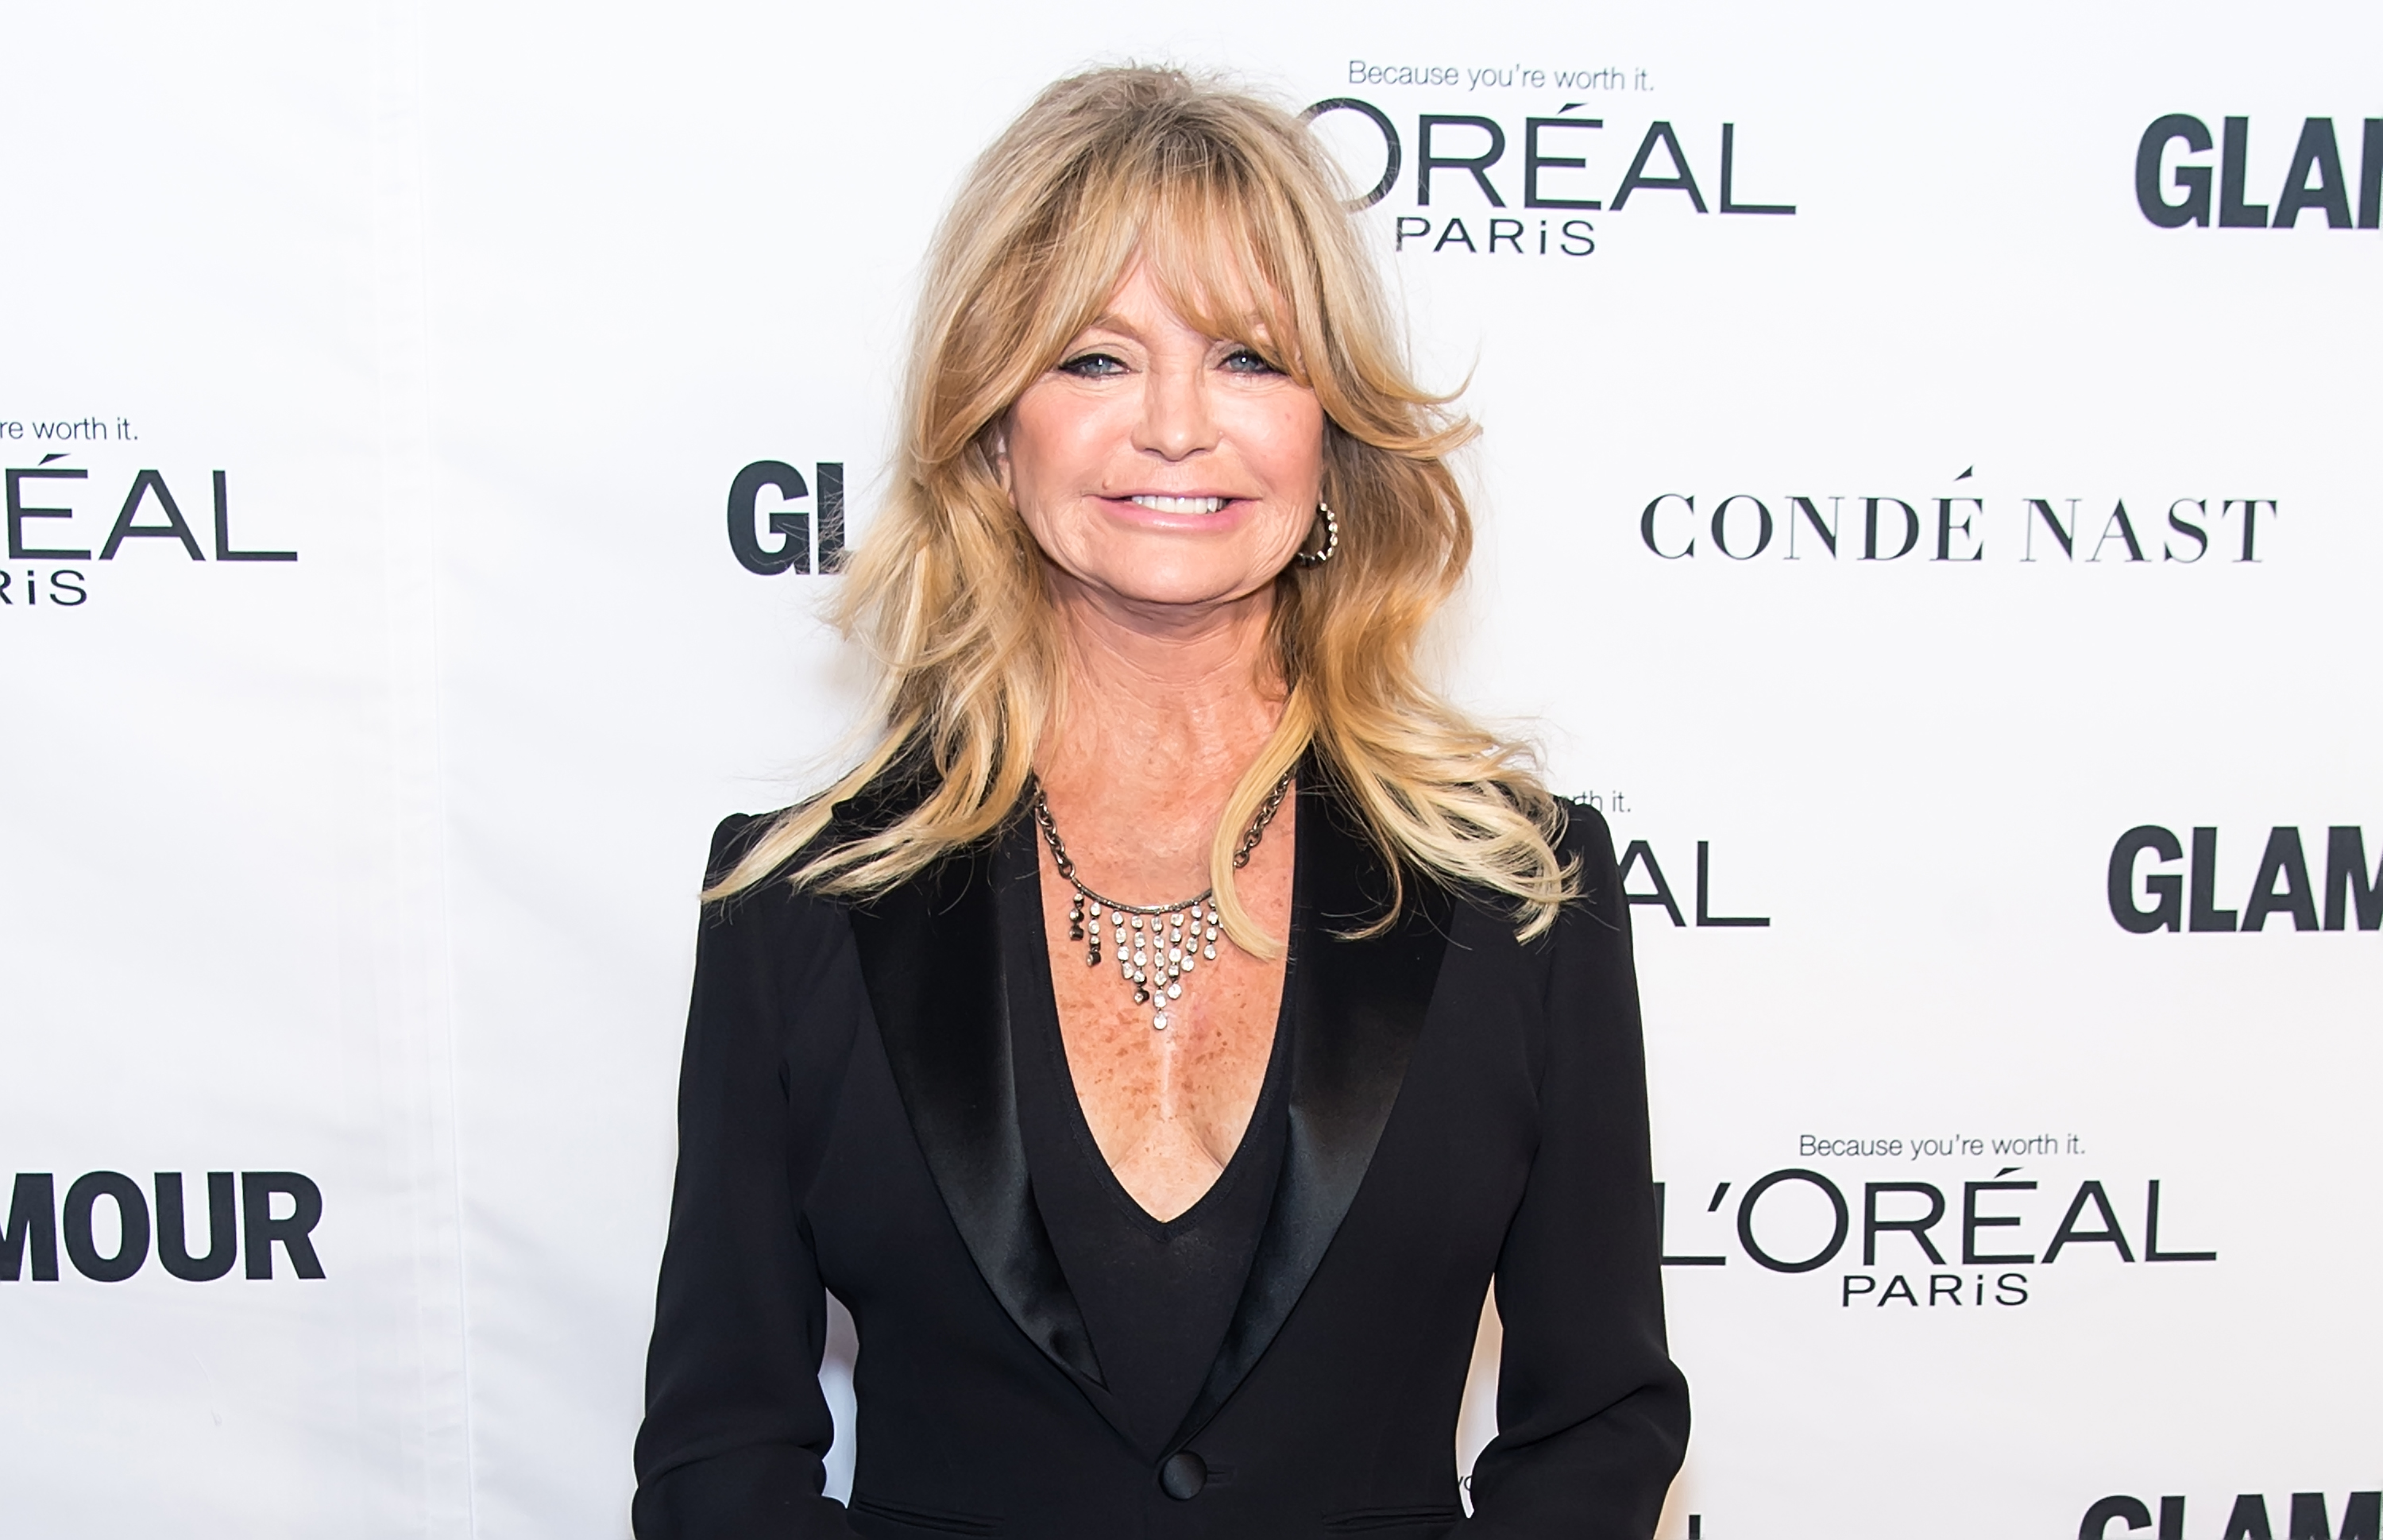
x=1458 y=1103
x=1157 y=1297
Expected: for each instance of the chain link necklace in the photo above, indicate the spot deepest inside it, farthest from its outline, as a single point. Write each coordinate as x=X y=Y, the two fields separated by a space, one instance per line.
x=1156 y=944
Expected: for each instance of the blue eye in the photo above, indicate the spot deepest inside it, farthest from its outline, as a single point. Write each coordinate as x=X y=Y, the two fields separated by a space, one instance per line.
x=1092 y=365
x=1248 y=361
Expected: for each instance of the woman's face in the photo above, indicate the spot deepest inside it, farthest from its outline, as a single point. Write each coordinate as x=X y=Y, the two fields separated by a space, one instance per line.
x=1161 y=466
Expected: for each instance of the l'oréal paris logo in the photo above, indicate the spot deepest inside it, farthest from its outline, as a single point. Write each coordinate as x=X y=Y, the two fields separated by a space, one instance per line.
x=1917 y=1241
x=61 y=535
x=1524 y=186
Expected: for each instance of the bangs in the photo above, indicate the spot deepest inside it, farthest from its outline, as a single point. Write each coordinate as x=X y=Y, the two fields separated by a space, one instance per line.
x=1224 y=248
x=1223 y=258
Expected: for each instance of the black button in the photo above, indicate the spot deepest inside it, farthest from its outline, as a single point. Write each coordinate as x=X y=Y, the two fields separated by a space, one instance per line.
x=1183 y=1474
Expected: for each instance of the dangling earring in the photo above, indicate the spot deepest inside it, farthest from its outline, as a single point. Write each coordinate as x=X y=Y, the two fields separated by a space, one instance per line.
x=1331 y=539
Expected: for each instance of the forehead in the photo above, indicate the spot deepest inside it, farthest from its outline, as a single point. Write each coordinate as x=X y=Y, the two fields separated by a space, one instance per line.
x=1206 y=269
x=1144 y=301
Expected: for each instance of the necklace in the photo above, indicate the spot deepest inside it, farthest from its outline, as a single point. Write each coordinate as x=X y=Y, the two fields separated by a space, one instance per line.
x=1156 y=944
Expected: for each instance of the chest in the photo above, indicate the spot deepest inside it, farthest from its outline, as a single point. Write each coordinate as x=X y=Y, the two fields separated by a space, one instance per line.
x=1168 y=1106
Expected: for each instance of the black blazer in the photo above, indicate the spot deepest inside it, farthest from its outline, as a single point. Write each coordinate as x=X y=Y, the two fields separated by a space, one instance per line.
x=1462 y=1106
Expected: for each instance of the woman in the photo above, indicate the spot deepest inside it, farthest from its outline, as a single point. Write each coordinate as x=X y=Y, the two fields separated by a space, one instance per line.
x=1161 y=1213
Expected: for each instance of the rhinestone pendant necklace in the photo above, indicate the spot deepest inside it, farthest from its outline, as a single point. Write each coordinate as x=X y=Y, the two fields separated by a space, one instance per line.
x=1156 y=944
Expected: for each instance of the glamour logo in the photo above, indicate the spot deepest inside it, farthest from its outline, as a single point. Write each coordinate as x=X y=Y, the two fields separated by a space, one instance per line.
x=2361 y=1518
x=786 y=538
x=1563 y=167
x=1740 y=526
x=37 y=1221
x=1811 y=1222
x=2144 y=898
x=2313 y=181
x=43 y=528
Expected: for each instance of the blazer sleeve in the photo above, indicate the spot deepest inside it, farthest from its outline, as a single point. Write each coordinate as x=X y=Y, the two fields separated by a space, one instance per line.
x=736 y=1428
x=1592 y=1415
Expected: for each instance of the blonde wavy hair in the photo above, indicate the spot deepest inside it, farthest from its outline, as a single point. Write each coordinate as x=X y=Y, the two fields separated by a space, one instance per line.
x=1239 y=215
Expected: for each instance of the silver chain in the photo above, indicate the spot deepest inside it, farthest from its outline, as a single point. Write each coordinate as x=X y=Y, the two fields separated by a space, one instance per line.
x=1156 y=944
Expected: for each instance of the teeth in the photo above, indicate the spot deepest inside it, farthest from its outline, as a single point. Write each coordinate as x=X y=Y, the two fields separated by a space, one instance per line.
x=1180 y=505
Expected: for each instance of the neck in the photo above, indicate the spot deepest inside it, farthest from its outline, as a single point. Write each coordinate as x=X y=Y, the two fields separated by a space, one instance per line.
x=1163 y=691
x=1166 y=707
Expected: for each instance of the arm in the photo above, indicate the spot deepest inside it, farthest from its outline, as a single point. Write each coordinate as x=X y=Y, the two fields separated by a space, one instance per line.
x=736 y=1426
x=1592 y=1416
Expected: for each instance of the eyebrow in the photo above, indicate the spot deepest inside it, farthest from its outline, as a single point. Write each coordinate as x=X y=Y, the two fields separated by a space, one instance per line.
x=1113 y=323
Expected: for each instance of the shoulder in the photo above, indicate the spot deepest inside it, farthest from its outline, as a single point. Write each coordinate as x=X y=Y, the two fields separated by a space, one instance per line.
x=1585 y=847
x=1590 y=949
x=1590 y=925
x=761 y=923
x=1589 y=841
x=1582 y=843
x=1585 y=834
x=776 y=973
x=791 y=837
x=733 y=837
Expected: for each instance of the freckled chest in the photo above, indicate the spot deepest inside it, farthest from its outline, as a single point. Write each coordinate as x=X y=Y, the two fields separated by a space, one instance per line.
x=1167 y=1108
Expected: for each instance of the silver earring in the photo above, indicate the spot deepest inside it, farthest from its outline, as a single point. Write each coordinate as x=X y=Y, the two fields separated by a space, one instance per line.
x=1331 y=539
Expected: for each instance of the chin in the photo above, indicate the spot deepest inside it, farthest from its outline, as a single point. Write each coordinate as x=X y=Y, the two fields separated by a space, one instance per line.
x=1166 y=572
x=1186 y=588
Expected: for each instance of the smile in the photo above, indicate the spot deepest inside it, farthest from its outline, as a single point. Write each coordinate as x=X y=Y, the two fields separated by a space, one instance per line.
x=1178 y=505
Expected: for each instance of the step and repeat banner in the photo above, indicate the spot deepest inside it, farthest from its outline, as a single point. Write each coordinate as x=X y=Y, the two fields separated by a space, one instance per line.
x=1928 y=503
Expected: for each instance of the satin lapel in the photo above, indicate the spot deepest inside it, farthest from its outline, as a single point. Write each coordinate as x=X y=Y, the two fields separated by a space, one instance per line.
x=1356 y=1009
x=931 y=952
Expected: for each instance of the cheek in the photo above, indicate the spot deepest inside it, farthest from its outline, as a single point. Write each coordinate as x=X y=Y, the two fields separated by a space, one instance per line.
x=1285 y=444
x=1054 y=437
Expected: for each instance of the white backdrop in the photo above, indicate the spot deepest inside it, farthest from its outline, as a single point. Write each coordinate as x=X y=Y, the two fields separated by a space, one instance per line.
x=375 y=869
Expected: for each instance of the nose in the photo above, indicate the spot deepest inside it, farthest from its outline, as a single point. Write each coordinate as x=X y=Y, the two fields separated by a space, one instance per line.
x=1175 y=420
